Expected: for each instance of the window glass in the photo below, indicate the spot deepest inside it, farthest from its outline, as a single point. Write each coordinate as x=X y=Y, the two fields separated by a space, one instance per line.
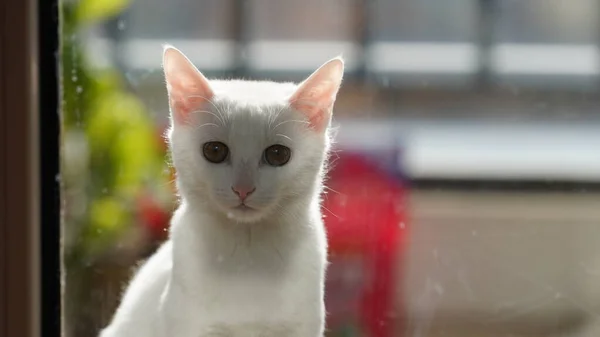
x=463 y=187
x=424 y=42
x=428 y=20
x=532 y=40
x=552 y=21
x=279 y=32
x=302 y=20
x=180 y=19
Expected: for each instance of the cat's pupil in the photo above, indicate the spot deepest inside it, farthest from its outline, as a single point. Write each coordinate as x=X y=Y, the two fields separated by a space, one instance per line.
x=277 y=155
x=215 y=152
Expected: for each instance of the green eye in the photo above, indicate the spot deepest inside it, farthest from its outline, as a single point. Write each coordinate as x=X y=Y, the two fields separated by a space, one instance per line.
x=215 y=152
x=277 y=155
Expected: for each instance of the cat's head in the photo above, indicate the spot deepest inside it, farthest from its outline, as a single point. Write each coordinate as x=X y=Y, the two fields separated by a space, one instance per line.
x=246 y=148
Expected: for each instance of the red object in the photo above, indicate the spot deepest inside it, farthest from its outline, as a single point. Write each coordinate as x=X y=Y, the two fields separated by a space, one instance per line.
x=153 y=216
x=365 y=217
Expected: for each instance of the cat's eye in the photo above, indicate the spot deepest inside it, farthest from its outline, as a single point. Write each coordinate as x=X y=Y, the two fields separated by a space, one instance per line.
x=277 y=155
x=215 y=152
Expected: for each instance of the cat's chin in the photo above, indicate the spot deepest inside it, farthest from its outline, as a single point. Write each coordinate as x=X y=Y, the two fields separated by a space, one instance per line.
x=244 y=213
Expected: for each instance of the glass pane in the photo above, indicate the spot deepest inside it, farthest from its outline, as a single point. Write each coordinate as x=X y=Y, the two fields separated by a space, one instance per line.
x=178 y=19
x=425 y=20
x=459 y=200
x=301 y=20
x=280 y=32
x=547 y=21
x=547 y=43
x=424 y=42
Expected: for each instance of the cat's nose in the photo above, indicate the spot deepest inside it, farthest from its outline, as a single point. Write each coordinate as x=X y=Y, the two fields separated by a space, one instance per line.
x=243 y=191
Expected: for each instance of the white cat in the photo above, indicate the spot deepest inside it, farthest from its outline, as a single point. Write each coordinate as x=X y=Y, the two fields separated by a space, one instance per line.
x=247 y=248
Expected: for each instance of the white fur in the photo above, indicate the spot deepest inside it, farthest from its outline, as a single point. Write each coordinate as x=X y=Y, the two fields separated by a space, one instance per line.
x=227 y=272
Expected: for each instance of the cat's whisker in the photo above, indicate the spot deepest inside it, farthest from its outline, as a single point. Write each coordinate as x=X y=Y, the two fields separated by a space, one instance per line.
x=331 y=189
x=284 y=136
x=220 y=117
x=290 y=121
x=211 y=113
x=207 y=124
x=222 y=112
x=206 y=99
x=275 y=117
x=171 y=181
x=330 y=212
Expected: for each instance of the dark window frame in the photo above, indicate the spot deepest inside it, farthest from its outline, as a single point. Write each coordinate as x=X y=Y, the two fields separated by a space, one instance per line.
x=29 y=148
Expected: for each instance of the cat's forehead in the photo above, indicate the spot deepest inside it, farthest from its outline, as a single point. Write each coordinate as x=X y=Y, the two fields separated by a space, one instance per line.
x=254 y=122
x=252 y=92
x=251 y=111
x=250 y=122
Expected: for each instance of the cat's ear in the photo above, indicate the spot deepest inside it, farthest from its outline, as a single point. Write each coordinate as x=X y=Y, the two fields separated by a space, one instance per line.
x=316 y=95
x=188 y=89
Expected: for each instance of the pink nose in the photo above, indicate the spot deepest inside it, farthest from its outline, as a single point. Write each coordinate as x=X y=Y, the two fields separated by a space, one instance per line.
x=242 y=191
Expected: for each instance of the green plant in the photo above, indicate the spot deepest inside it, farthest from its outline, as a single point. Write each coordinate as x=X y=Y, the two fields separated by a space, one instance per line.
x=111 y=154
x=112 y=169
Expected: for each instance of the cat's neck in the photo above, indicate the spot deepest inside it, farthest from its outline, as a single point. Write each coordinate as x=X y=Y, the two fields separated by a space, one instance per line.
x=212 y=240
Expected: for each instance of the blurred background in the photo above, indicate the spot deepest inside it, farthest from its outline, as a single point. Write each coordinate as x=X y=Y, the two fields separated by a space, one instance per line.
x=465 y=195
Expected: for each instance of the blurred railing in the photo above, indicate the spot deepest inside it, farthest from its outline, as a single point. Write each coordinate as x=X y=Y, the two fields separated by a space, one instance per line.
x=469 y=43
x=470 y=46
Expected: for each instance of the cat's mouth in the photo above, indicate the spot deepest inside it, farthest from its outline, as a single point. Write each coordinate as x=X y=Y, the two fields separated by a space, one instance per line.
x=244 y=208
x=244 y=213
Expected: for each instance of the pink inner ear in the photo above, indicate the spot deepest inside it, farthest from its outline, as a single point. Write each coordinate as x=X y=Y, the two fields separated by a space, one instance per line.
x=315 y=96
x=188 y=89
x=186 y=97
x=315 y=102
x=316 y=106
x=183 y=107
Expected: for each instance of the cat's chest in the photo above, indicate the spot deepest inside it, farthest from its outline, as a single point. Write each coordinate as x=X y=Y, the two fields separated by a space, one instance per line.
x=236 y=313
x=251 y=299
x=264 y=329
x=232 y=309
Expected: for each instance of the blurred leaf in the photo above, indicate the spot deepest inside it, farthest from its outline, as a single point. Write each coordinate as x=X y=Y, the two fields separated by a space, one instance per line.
x=123 y=137
x=107 y=116
x=135 y=154
x=120 y=139
x=107 y=214
x=91 y=11
x=107 y=81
